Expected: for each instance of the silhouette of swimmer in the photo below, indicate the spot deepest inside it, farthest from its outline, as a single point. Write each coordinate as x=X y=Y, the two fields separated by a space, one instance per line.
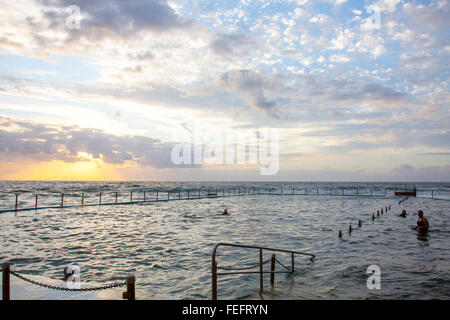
x=225 y=212
x=403 y=214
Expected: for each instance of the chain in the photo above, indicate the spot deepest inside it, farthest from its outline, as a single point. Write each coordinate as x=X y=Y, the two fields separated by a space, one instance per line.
x=40 y=284
x=243 y=268
x=282 y=264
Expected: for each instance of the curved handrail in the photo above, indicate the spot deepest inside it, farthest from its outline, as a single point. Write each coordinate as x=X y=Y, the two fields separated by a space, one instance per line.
x=214 y=267
x=256 y=247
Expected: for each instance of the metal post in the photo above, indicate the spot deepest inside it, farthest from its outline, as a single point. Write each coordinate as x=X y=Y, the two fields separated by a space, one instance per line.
x=131 y=288
x=292 y=262
x=272 y=270
x=214 y=280
x=36 y=203
x=62 y=199
x=261 y=285
x=100 y=200
x=6 y=284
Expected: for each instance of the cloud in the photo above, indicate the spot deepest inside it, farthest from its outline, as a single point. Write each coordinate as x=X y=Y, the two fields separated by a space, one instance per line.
x=42 y=142
x=253 y=85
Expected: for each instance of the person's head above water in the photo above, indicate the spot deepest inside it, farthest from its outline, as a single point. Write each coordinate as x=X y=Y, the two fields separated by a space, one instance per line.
x=420 y=213
x=225 y=211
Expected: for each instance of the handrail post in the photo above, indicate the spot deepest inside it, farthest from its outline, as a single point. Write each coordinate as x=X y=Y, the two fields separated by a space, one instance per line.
x=292 y=262
x=6 y=282
x=214 y=280
x=130 y=294
x=261 y=284
x=272 y=270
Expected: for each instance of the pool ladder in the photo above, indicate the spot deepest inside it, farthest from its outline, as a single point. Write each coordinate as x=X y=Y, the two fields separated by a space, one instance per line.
x=273 y=261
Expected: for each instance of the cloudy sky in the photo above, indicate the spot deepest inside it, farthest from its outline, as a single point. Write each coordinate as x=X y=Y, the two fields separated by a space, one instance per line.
x=104 y=90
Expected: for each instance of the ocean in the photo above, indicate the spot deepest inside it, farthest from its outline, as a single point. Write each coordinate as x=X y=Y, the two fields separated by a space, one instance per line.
x=168 y=244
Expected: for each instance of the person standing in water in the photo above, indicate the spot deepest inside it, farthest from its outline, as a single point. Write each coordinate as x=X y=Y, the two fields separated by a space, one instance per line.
x=225 y=212
x=422 y=222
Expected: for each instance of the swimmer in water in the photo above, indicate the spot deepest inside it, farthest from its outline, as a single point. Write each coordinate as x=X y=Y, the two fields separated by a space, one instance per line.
x=422 y=222
x=403 y=214
x=225 y=212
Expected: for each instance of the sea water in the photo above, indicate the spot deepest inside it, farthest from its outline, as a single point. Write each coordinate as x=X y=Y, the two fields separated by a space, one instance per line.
x=168 y=245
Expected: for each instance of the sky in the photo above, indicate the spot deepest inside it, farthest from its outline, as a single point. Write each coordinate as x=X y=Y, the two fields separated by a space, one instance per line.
x=107 y=89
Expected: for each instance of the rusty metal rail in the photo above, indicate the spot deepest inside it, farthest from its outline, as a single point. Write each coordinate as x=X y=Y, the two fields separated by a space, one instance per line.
x=273 y=260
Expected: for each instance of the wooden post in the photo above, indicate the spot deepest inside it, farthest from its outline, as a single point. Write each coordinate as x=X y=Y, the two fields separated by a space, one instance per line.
x=261 y=284
x=156 y=195
x=188 y=194
x=168 y=195
x=384 y=191
x=116 y=197
x=214 y=280
x=131 y=288
x=330 y=191
x=17 y=197
x=62 y=199
x=357 y=191
x=281 y=189
x=199 y=193
x=6 y=283
x=36 y=203
x=305 y=190
x=370 y=191
x=292 y=190
x=82 y=198
x=223 y=192
x=131 y=196
x=272 y=270
x=179 y=194
x=317 y=190
x=100 y=200
x=432 y=196
x=144 y=196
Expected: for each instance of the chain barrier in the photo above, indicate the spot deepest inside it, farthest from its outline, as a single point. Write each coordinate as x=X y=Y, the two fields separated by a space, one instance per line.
x=243 y=268
x=40 y=284
x=276 y=260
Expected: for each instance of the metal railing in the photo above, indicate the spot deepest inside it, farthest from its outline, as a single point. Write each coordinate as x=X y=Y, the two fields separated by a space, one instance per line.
x=273 y=260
